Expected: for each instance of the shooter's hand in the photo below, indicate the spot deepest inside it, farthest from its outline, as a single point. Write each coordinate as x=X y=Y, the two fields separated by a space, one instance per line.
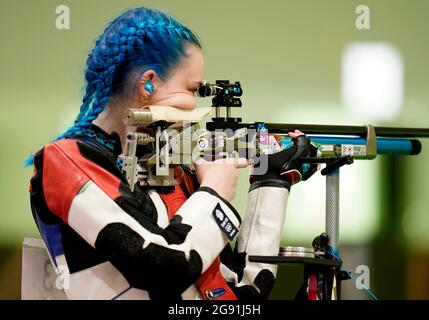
x=287 y=164
x=220 y=175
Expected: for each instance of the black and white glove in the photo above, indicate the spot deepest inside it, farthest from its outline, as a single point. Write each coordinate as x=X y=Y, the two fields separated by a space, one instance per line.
x=287 y=164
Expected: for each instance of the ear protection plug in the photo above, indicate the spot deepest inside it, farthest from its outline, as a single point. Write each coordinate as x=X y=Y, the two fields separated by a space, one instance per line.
x=149 y=87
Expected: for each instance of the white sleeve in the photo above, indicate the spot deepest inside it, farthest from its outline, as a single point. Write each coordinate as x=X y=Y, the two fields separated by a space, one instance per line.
x=260 y=234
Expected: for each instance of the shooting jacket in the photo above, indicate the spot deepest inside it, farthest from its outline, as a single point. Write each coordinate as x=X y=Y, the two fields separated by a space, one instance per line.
x=112 y=243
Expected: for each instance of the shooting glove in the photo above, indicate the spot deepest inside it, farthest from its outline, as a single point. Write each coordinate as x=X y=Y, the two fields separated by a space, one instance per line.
x=288 y=164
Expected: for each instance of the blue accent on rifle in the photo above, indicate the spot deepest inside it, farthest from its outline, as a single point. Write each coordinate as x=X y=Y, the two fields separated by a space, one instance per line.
x=261 y=127
x=305 y=167
x=384 y=145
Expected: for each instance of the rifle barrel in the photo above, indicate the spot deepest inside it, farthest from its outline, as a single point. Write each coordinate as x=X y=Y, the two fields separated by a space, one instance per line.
x=389 y=132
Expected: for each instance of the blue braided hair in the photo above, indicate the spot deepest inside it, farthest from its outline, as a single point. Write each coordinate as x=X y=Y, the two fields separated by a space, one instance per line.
x=140 y=39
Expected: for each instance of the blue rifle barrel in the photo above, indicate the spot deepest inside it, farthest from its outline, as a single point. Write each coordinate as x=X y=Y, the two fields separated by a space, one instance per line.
x=384 y=145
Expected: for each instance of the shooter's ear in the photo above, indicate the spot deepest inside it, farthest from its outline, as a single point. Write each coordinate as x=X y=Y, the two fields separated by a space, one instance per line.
x=148 y=83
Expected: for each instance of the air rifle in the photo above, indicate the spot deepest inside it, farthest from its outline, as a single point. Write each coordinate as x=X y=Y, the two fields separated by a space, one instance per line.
x=168 y=136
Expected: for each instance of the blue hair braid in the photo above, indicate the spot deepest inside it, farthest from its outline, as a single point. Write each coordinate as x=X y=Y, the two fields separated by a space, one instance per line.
x=140 y=39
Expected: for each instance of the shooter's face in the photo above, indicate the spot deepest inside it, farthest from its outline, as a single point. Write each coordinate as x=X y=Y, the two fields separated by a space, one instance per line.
x=179 y=89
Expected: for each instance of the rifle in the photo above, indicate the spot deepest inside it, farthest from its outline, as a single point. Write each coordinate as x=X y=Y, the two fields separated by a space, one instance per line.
x=166 y=137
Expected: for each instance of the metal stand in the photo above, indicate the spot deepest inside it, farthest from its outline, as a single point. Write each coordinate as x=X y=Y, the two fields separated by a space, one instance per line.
x=332 y=221
x=332 y=217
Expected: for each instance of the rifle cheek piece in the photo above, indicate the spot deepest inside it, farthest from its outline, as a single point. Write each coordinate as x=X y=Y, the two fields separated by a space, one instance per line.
x=169 y=144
